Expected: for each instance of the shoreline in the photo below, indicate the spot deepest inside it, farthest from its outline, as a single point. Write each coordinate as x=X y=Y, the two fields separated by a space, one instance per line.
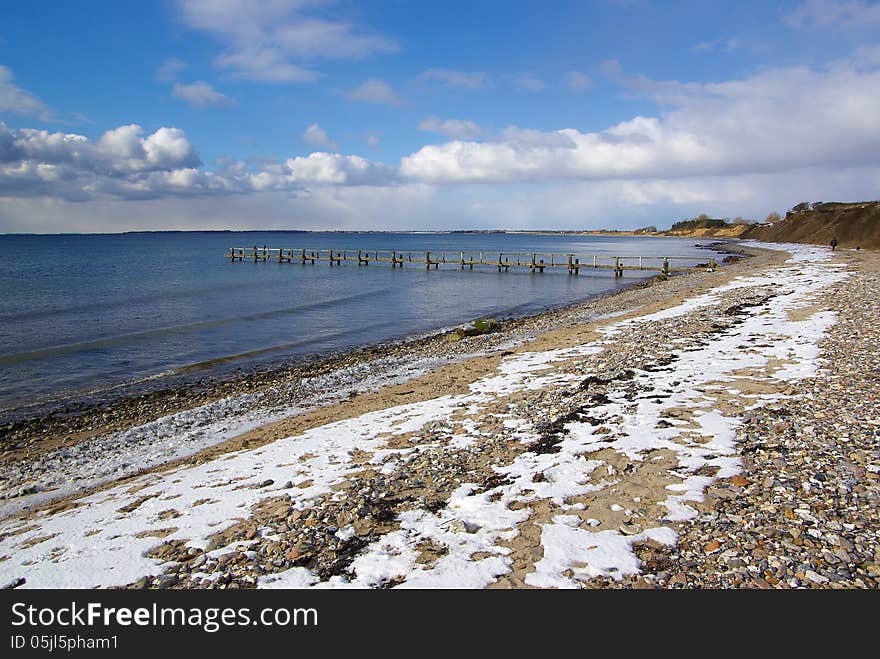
x=85 y=414
x=263 y=396
x=514 y=420
x=259 y=397
x=235 y=368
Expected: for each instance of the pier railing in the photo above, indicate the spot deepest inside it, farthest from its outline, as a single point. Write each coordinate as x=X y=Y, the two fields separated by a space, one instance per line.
x=534 y=261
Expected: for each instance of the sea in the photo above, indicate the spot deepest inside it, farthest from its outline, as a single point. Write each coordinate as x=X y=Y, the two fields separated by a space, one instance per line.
x=88 y=317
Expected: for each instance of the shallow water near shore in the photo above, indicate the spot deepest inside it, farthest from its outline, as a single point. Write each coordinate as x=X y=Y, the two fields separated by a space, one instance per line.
x=89 y=315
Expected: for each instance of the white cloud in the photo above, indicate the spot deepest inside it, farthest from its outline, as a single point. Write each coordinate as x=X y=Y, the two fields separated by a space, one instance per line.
x=268 y=42
x=775 y=120
x=317 y=136
x=321 y=168
x=119 y=150
x=842 y=14
x=527 y=82
x=372 y=140
x=20 y=101
x=71 y=166
x=124 y=164
x=561 y=205
x=201 y=95
x=263 y=64
x=169 y=69
x=376 y=91
x=449 y=78
x=456 y=128
x=739 y=147
x=577 y=81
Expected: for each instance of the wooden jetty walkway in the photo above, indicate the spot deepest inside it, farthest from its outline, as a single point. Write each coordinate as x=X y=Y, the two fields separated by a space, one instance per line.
x=534 y=261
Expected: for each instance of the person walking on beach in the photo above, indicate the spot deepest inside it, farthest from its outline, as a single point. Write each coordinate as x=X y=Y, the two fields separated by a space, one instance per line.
x=834 y=243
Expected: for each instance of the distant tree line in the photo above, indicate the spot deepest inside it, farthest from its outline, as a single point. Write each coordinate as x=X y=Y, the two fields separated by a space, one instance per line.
x=701 y=221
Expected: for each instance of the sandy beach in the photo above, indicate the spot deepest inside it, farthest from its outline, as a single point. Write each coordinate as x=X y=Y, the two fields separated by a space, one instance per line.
x=711 y=430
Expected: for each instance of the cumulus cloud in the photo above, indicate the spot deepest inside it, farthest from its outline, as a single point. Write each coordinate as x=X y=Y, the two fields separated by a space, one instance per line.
x=20 y=101
x=201 y=95
x=775 y=120
x=723 y=147
x=841 y=14
x=122 y=163
x=448 y=78
x=577 y=81
x=270 y=41
x=322 y=168
x=457 y=128
x=71 y=166
x=169 y=69
x=317 y=136
x=376 y=91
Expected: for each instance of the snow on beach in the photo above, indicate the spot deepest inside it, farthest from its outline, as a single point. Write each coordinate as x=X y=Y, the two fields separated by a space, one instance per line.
x=105 y=458
x=105 y=539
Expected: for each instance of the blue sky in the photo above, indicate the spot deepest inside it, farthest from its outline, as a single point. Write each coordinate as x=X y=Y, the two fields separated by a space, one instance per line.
x=417 y=115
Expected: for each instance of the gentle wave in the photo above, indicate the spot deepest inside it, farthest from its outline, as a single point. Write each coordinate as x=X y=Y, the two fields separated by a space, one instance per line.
x=79 y=346
x=138 y=300
x=184 y=372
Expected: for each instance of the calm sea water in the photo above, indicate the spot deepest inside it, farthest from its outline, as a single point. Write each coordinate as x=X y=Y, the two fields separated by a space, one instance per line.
x=89 y=315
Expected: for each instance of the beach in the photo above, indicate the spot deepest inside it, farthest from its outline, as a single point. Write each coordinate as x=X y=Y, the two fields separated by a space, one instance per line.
x=710 y=430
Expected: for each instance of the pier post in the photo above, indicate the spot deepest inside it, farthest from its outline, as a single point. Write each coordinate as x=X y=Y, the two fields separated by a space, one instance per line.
x=427 y=260
x=712 y=264
x=532 y=264
x=461 y=259
x=577 y=269
x=499 y=261
x=665 y=266
x=570 y=268
x=618 y=272
x=541 y=267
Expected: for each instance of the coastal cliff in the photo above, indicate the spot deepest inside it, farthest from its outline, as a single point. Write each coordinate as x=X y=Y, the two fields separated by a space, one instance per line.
x=854 y=224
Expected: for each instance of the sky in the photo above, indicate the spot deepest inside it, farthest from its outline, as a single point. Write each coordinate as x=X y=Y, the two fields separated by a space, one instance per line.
x=321 y=114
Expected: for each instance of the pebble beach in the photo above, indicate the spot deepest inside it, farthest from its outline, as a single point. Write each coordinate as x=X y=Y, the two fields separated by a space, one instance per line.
x=712 y=430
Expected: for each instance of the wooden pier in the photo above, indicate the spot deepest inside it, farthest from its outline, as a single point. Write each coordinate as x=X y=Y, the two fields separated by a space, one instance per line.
x=534 y=261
